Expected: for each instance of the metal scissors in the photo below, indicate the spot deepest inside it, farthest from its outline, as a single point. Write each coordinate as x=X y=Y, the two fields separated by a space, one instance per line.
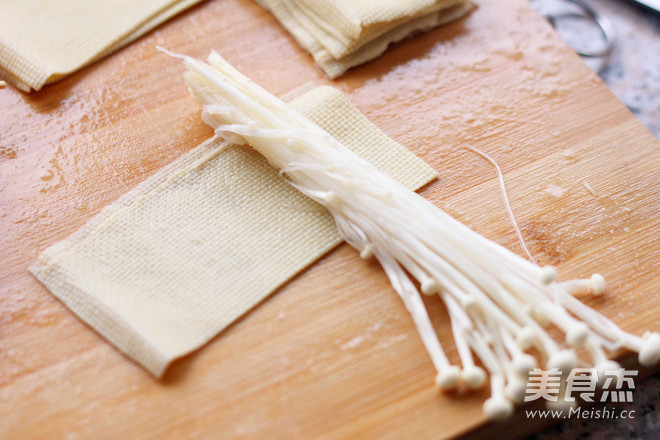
x=653 y=5
x=584 y=12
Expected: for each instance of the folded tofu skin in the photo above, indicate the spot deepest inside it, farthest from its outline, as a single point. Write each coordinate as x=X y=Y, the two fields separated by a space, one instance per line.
x=201 y=242
x=43 y=41
x=341 y=34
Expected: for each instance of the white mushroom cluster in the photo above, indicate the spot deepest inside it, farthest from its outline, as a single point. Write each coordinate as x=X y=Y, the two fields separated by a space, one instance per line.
x=500 y=304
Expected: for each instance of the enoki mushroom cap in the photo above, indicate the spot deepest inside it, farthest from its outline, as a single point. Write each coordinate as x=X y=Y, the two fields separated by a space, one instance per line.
x=498 y=408
x=515 y=390
x=473 y=377
x=597 y=284
x=564 y=361
x=577 y=334
x=649 y=355
x=526 y=338
x=548 y=274
x=522 y=364
x=605 y=369
x=430 y=286
x=447 y=378
x=367 y=252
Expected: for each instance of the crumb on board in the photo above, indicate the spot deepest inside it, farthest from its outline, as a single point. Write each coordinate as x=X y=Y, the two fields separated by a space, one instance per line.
x=590 y=189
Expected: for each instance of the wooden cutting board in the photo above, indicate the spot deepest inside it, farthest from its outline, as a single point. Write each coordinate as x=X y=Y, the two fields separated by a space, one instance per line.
x=334 y=353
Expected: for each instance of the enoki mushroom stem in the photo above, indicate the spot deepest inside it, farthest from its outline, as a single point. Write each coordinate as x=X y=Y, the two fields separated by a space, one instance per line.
x=499 y=303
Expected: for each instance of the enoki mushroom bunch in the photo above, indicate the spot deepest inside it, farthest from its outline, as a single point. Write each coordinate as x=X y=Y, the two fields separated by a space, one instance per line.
x=499 y=303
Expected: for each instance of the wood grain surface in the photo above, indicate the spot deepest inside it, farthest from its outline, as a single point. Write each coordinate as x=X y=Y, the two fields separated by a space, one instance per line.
x=334 y=353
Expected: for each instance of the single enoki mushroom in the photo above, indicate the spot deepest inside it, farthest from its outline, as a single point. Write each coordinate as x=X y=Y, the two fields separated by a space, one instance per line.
x=499 y=303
